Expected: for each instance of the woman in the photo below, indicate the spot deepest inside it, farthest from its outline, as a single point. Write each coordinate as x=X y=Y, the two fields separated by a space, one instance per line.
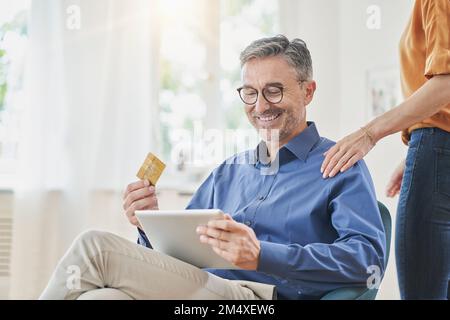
x=423 y=217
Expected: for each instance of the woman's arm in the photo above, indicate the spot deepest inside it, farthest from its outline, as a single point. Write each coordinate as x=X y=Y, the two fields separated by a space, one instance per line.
x=425 y=102
x=429 y=99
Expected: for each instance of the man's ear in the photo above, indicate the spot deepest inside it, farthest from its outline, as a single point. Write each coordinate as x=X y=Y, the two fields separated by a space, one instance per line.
x=310 y=88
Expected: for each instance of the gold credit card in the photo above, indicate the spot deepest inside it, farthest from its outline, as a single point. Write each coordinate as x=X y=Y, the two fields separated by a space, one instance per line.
x=151 y=169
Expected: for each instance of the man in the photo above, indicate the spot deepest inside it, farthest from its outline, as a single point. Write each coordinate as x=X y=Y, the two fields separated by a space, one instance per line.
x=288 y=228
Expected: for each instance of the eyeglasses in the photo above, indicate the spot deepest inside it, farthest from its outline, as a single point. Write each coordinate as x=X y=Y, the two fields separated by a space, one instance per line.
x=272 y=94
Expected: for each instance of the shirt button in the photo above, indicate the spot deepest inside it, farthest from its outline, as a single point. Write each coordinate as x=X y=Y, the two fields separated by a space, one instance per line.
x=248 y=223
x=261 y=197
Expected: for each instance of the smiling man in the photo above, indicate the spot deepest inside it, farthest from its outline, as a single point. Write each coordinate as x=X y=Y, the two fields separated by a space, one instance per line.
x=289 y=230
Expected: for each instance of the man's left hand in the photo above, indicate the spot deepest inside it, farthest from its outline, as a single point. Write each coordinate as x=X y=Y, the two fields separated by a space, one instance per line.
x=234 y=241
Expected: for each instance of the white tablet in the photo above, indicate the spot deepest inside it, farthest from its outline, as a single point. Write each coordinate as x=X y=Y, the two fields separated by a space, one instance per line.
x=173 y=233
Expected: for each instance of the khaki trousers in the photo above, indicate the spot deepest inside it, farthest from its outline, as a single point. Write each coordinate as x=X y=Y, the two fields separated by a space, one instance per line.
x=99 y=259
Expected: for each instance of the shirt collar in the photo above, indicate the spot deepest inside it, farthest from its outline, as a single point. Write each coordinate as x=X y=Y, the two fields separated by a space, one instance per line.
x=303 y=143
x=300 y=145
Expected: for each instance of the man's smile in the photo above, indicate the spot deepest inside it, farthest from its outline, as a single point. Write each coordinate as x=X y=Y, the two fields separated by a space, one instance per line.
x=269 y=119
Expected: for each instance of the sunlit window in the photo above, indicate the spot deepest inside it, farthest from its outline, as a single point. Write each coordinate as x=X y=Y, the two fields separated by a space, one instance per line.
x=182 y=69
x=13 y=40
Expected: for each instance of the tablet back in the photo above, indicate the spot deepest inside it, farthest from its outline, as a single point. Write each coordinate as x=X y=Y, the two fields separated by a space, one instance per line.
x=173 y=233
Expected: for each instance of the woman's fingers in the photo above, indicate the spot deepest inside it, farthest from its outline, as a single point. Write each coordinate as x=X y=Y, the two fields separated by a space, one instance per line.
x=328 y=156
x=390 y=186
x=395 y=183
x=342 y=161
x=393 y=191
x=336 y=162
x=354 y=159
x=393 y=187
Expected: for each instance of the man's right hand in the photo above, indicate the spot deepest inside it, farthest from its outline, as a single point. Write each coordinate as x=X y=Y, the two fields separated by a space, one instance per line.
x=139 y=195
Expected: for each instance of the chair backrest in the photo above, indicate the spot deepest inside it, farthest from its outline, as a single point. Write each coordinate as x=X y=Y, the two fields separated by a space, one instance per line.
x=387 y=223
x=363 y=293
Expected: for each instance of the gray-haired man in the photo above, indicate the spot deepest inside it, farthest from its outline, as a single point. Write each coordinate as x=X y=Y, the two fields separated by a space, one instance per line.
x=291 y=230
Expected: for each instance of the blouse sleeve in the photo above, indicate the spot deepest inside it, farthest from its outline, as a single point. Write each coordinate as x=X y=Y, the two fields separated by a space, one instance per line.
x=436 y=25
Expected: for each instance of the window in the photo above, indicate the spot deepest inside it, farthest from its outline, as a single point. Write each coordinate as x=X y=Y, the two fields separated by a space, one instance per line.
x=183 y=70
x=200 y=71
x=13 y=39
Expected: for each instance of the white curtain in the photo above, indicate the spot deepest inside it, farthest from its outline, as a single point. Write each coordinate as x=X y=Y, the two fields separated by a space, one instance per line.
x=88 y=125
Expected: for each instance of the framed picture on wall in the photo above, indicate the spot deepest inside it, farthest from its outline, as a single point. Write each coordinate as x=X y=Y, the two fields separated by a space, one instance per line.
x=383 y=90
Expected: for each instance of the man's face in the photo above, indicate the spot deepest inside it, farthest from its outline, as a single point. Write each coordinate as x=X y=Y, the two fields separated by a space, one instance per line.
x=289 y=115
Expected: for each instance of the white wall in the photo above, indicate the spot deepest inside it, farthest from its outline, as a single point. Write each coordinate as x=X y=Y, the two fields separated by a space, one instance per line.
x=317 y=23
x=343 y=49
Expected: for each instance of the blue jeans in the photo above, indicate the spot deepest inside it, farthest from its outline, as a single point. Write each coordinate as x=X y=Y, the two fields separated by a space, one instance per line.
x=423 y=217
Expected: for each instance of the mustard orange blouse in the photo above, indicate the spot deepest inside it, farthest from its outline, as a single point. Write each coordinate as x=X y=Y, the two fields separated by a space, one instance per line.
x=425 y=52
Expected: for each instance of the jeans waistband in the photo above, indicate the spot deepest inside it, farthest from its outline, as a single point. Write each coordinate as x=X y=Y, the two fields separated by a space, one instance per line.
x=431 y=131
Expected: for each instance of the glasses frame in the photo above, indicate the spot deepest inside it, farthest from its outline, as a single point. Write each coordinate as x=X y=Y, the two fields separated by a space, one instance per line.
x=263 y=94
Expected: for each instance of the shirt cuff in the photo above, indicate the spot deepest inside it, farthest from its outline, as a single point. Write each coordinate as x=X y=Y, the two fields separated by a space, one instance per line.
x=143 y=240
x=273 y=258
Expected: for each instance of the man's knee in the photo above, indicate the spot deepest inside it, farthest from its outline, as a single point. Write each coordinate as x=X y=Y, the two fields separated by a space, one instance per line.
x=93 y=239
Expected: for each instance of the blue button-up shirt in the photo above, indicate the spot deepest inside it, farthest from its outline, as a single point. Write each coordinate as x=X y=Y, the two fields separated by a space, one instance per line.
x=316 y=234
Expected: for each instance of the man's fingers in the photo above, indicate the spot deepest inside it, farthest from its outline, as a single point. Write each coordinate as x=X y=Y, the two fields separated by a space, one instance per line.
x=219 y=234
x=222 y=251
x=220 y=244
x=227 y=225
x=146 y=203
x=134 y=186
x=214 y=233
x=228 y=217
x=224 y=254
x=134 y=221
x=137 y=195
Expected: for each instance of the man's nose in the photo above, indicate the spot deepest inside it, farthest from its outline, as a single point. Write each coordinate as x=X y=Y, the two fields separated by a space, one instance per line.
x=261 y=104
